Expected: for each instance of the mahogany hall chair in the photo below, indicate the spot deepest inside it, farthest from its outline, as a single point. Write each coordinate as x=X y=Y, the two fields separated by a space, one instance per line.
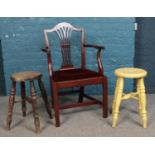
x=70 y=76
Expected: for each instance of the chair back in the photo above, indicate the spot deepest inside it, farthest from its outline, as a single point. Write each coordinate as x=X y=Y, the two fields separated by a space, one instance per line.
x=64 y=32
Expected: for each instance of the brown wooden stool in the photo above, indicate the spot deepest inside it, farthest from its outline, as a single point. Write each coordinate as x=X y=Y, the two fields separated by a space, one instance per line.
x=22 y=77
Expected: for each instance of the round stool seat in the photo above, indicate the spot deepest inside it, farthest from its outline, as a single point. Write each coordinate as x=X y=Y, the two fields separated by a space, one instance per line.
x=130 y=72
x=27 y=75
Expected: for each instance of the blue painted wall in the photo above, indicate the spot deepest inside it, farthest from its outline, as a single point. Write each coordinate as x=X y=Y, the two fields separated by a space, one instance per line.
x=144 y=49
x=22 y=39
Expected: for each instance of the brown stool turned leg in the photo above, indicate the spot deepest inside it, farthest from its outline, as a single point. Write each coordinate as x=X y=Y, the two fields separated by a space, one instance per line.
x=34 y=106
x=11 y=104
x=81 y=94
x=44 y=96
x=23 y=95
x=105 y=98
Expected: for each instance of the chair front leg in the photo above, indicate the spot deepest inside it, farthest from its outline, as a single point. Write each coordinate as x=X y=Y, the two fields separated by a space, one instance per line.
x=56 y=105
x=105 y=97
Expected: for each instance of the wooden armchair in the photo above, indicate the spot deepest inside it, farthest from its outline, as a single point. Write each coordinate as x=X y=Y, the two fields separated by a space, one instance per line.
x=70 y=76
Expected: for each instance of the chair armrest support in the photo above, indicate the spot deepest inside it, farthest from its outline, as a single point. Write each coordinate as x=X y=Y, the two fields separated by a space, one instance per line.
x=94 y=46
x=99 y=62
x=100 y=66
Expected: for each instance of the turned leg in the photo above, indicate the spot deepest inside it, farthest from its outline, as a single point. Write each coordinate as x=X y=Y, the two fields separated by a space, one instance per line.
x=81 y=94
x=11 y=103
x=115 y=95
x=117 y=100
x=143 y=102
x=34 y=106
x=23 y=95
x=138 y=91
x=56 y=105
x=105 y=97
x=44 y=96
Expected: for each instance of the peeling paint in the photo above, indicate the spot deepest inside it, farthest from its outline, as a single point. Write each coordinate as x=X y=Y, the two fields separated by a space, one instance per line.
x=22 y=28
x=6 y=36
x=13 y=35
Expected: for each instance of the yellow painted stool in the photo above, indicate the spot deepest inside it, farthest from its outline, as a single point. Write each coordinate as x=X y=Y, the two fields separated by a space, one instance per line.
x=140 y=95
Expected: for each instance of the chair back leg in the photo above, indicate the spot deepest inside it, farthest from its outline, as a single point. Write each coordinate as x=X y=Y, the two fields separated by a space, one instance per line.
x=56 y=105
x=23 y=95
x=81 y=94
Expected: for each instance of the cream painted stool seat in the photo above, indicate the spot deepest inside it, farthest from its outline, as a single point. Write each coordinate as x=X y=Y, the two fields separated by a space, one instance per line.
x=134 y=73
x=130 y=72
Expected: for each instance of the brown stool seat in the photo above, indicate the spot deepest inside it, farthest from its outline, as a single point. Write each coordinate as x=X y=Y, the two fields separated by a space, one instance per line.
x=27 y=75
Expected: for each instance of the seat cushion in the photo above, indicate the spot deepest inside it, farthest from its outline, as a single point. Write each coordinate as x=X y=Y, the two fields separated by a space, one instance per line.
x=74 y=74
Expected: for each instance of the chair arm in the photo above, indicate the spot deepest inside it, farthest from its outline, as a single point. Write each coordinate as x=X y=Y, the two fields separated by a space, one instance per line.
x=94 y=46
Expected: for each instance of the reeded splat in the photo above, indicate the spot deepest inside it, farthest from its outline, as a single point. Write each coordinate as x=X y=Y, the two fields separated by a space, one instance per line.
x=64 y=32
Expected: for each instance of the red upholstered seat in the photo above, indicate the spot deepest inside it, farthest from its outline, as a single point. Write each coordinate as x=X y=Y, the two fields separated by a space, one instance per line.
x=74 y=74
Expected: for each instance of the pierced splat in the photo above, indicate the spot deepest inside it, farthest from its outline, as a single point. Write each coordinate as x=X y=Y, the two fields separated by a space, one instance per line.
x=66 y=53
x=64 y=32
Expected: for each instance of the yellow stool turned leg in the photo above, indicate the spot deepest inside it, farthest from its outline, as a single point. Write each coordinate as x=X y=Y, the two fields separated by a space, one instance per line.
x=117 y=100
x=142 y=100
x=138 y=91
x=115 y=95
